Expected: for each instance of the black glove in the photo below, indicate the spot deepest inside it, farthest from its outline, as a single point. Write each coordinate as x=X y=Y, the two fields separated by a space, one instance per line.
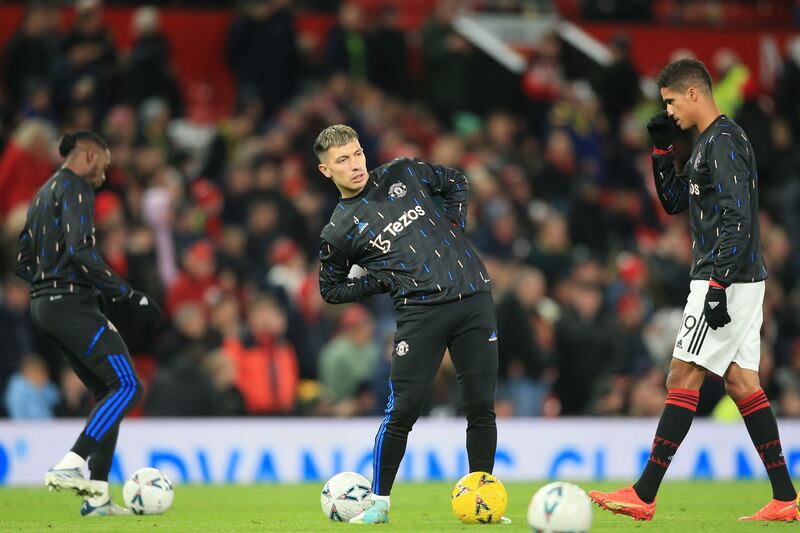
x=662 y=130
x=147 y=306
x=389 y=284
x=716 y=308
x=379 y=285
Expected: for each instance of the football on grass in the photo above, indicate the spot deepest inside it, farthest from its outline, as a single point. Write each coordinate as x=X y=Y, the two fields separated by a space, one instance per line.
x=148 y=491
x=560 y=506
x=345 y=495
x=479 y=498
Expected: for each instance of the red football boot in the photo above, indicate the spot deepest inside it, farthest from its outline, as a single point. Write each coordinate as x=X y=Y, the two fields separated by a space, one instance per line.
x=776 y=511
x=624 y=501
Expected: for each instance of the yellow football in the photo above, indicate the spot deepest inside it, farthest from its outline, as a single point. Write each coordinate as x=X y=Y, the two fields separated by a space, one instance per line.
x=479 y=498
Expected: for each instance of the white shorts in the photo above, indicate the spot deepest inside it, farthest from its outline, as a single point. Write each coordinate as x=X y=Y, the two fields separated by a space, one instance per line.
x=737 y=342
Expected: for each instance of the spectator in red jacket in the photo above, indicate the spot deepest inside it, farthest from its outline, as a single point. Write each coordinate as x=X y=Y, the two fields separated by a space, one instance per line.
x=197 y=280
x=25 y=164
x=266 y=365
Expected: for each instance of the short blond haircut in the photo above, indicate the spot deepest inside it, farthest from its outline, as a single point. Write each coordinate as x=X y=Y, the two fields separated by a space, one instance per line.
x=332 y=136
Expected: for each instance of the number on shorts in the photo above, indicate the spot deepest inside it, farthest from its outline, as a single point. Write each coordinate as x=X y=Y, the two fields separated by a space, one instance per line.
x=689 y=323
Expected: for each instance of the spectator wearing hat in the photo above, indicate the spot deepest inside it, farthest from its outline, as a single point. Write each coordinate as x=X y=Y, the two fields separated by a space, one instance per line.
x=197 y=281
x=108 y=209
x=210 y=201
x=288 y=269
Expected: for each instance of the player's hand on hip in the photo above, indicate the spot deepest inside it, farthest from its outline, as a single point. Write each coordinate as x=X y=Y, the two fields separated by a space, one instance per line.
x=388 y=284
x=662 y=130
x=145 y=305
x=716 y=308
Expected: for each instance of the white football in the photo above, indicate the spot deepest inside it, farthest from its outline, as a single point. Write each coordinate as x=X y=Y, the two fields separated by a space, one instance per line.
x=345 y=495
x=560 y=506
x=148 y=491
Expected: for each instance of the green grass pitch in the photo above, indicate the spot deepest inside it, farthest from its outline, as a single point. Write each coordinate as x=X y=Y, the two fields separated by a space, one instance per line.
x=684 y=507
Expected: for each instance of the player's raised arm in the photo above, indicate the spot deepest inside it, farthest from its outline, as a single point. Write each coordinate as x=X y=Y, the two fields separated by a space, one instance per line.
x=731 y=158
x=449 y=183
x=727 y=268
x=334 y=285
x=77 y=207
x=673 y=188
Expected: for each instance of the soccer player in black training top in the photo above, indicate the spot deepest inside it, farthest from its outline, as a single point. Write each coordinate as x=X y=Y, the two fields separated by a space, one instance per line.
x=722 y=319
x=403 y=223
x=56 y=255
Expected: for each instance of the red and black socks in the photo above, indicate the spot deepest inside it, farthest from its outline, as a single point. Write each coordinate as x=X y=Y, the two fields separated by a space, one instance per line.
x=763 y=429
x=676 y=419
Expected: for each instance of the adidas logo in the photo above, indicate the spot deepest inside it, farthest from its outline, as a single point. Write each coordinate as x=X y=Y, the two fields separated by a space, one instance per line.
x=713 y=305
x=680 y=343
x=493 y=336
x=360 y=225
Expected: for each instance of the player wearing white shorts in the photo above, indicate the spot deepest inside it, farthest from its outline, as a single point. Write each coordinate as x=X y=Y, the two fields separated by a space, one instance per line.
x=739 y=342
x=721 y=326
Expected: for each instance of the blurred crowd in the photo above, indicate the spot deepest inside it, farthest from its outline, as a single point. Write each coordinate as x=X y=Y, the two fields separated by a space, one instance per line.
x=220 y=222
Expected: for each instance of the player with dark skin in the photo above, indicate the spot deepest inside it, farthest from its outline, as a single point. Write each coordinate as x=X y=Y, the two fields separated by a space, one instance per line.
x=56 y=255
x=720 y=330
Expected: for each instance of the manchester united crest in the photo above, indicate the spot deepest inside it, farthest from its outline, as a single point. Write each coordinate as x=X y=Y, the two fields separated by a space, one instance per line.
x=402 y=348
x=398 y=190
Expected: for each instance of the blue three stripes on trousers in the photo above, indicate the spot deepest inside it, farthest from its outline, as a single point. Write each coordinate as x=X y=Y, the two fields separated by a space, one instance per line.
x=114 y=406
x=376 y=474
